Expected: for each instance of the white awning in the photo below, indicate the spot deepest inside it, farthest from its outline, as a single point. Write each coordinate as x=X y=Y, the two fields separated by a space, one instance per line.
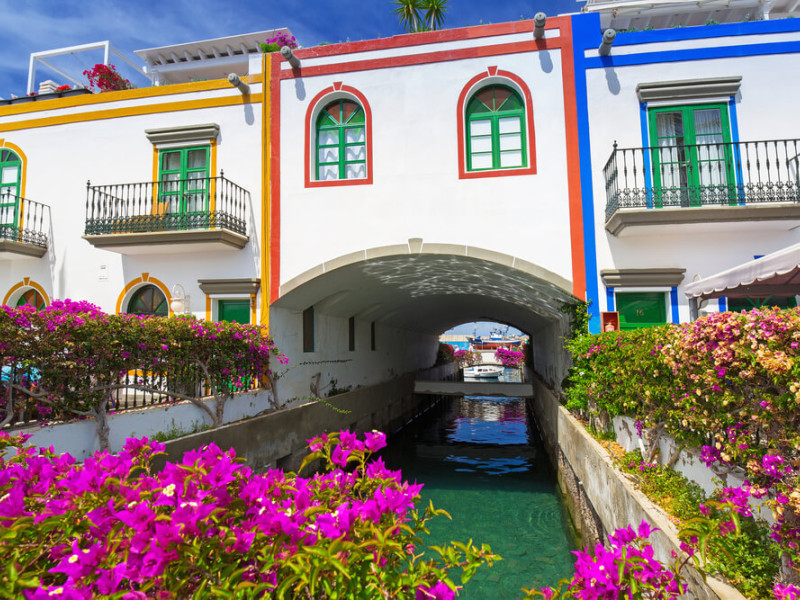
x=776 y=274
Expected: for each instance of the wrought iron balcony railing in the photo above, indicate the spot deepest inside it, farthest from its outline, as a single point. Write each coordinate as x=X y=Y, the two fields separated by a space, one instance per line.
x=174 y=205
x=716 y=174
x=23 y=220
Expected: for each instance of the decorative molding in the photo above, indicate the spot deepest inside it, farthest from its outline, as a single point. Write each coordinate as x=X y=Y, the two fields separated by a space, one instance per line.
x=713 y=87
x=183 y=133
x=126 y=243
x=660 y=277
x=230 y=286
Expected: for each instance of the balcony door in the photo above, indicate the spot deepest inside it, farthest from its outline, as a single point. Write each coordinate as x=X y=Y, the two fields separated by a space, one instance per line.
x=692 y=155
x=10 y=175
x=183 y=181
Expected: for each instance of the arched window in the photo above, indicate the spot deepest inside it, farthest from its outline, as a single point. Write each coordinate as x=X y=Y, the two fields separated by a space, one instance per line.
x=496 y=133
x=341 y=141
x=10 y=172
x=32 y=297
x=148 y=300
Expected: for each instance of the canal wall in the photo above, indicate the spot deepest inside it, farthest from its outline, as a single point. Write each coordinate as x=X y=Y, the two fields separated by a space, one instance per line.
x=278 y=439
x=600 y=498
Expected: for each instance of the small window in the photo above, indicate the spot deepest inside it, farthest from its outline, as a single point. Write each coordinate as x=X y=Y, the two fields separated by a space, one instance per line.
x=183 y=180
x=372 y=336
x=148 y=300
x=351 y=331
x=496 y=130
x=33 y=298
x=641 y=309
x=308 y=329
x=341 y=141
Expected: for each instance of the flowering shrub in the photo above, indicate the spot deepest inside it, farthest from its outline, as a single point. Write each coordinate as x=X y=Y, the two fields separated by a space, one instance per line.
x=68 y=359
x=274 y=44
x=209 y=526
x=106 y=78
x=729 y=383
x=445 y=354
x=465 y=358
x=624 y=569
x=509 y=357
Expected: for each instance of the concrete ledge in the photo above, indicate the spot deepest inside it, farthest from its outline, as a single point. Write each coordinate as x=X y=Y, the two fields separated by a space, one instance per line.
x=613 y=498
x=21 y=249
x=143 y=243
x=636 y=217
x=278 y=439
x=474 y=388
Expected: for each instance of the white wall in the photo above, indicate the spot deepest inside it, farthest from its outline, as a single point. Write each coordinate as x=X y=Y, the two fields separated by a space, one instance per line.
x=79 y=438
x=416 y=192
x=396 y=352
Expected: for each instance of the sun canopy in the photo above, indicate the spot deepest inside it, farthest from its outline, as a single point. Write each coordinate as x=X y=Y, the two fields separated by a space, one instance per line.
x=776 y=274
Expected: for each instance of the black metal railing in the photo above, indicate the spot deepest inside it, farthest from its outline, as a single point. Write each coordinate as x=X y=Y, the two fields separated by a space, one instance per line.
x=23 y=220
x=133 y=390
x=717 y=174
x=202 y=203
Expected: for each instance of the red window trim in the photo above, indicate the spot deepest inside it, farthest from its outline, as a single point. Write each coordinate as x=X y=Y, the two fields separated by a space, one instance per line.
x=531 y=137
x=311 y=132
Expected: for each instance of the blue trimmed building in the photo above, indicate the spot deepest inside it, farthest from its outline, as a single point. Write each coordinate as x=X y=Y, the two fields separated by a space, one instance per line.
x=690 y=158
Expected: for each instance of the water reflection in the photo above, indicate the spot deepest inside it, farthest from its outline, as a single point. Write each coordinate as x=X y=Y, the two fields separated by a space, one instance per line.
x=481 y=460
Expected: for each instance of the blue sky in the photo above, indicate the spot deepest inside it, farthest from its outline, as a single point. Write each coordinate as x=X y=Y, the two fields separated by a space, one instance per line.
x=36 y=25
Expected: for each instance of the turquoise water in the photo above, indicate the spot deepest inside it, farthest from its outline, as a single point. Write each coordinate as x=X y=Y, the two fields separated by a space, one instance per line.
x=481 y=461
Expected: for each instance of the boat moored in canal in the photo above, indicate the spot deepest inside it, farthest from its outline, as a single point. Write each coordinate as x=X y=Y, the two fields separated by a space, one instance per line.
x=483 y=371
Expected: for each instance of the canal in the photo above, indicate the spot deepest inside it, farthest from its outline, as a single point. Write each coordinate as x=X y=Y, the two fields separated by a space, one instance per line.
x=481 y=460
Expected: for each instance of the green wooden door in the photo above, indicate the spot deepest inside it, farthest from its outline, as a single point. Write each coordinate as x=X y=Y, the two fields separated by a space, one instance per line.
x=237 y=311
x=641 y=309
x=692 y=156
x=183 y=180
x=10 y=177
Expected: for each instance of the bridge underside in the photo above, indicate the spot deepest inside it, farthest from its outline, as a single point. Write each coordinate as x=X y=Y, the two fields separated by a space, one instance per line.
x=431 y=290
x=474 y=388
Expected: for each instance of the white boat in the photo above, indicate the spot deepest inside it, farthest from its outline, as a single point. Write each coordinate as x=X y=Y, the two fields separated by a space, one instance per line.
x=483 y=371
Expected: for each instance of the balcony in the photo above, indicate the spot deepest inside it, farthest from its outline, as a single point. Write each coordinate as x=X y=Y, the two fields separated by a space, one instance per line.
x=720 y=185
x=24 y=226
x=186 y=215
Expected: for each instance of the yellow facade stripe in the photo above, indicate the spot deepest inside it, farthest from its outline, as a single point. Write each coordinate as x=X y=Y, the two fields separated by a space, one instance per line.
x=212 y=183
x=266 y=207
x=208 y=307
x=135 y=94
x=130 y=111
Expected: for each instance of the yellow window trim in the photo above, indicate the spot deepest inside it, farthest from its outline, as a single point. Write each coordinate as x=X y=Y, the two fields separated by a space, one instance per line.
x=145 y=278
x=27 y=282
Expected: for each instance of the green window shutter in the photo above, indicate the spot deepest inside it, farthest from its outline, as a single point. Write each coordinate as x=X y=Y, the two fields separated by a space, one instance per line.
x=341 y=141
x=641 y=309
x=236 y=311
x=496 y=130
x=183 y=177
